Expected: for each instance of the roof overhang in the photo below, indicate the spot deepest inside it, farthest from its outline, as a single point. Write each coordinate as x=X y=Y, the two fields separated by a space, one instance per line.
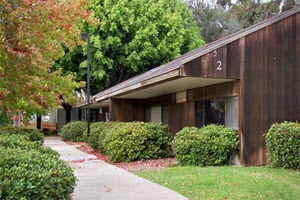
x=172 y=86
x=93 y=104
x=141 y=85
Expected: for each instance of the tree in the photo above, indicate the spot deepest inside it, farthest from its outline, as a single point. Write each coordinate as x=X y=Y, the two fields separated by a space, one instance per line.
x=220 y=18
x=132 y=37
x=214 y=19
x=31 y=36
x=250 y=12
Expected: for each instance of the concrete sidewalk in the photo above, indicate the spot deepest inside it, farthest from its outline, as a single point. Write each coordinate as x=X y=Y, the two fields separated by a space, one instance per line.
x=100 y=180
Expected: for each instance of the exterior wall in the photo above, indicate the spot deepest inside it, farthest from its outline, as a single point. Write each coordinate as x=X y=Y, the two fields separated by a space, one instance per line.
x=270 y=80
x=126 y=110
x=267 y=62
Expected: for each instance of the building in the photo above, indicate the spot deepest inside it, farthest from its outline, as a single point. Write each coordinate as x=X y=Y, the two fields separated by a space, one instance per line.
x=246 y=81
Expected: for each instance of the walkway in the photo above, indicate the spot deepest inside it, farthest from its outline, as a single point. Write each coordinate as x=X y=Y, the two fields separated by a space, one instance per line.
x=98 y=180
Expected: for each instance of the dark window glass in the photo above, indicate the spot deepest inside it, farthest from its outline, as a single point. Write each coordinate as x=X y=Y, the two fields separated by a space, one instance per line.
x=148 y=115
x=165 y=114
x=199 y=113
x=210 y=112
x=214 y=111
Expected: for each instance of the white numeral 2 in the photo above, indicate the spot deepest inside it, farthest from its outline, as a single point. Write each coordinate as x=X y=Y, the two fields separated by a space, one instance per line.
x=219 y=68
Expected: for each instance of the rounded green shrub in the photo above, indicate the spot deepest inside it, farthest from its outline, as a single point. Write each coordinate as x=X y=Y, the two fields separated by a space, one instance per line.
x=210 y=145
x=104 y=132
x=30 y=171
x=95 y=131
x=22 y=142
x=32 y=133
x=137 y=141
x=283 y=144
x=73 y=131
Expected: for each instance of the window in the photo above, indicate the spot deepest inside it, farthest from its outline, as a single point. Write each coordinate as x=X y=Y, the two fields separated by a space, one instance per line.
x=157 y=114
x=165 y=114
x=223 y=111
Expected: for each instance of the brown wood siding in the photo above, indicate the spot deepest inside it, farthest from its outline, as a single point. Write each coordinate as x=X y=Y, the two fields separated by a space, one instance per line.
x=233 y=59
x=270 y=85
x=216 y=91
x=181 y=115
x=158 y=101
x=220 y=63
x=126 y=110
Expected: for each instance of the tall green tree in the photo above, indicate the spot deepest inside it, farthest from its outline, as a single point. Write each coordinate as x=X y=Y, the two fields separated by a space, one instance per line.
x=31 y=36
x=222 y=17
x=249 y=12
x=213 y=19
x=132 y=37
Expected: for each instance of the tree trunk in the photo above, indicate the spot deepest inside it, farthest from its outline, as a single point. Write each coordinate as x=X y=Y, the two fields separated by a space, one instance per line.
x=68 y=109
x=39 y=122
x=68 y=113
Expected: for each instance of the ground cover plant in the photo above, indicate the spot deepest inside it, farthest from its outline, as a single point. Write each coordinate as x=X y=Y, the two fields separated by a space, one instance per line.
x=283 y=143
x=228 y=182
x=210 y=145
x=30 y=171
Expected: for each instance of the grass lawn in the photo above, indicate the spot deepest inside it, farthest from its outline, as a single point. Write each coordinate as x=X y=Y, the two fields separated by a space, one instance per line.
x=228 y=182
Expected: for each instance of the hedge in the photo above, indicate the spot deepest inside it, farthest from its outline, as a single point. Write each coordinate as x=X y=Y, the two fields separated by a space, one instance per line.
x=137 y=141
x=31 y=133
x=73 y=131
x=283 y=144
x=31 y=171
x=210 y=145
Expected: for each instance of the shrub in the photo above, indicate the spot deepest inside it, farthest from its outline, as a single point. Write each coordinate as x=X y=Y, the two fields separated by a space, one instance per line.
x=106 y=131
x=49 y=132
x=210 y=145
x=283 y=144
x=32 y=133
x=95 y=131
x=137 y=141
x=22 y=142
x=22 y=177
x=73 y=131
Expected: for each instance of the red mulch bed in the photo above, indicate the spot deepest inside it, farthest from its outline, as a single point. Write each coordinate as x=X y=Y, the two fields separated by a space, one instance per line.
x=131 y=166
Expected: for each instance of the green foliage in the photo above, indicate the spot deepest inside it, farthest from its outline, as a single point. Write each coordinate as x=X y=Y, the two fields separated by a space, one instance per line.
x=132 y=37
x=31 y=171
x=73 y=131
x=95 y=131
x=31 y=133
x=4 y=119
x=220 y=18
x=210 y=145
x=283 y=143
x=215 y=21
x=31 y=37
x=49 y=132
x=137 y=141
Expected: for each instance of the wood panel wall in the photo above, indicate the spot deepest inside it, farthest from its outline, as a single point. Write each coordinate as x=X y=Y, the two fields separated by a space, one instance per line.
x=216 y=64
x=127 y=110
x=270 y=82
x=216 y=91
x=267 y=62
x=181 y=115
